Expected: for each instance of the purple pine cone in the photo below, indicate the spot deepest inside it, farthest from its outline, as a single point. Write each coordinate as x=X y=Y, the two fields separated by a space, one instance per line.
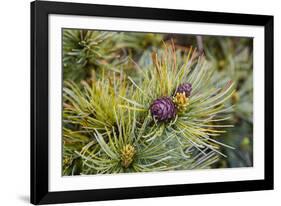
x=185 y=87
x=163 y=109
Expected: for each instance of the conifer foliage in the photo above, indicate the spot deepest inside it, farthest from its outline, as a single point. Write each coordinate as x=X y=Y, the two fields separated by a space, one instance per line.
x=134 y=102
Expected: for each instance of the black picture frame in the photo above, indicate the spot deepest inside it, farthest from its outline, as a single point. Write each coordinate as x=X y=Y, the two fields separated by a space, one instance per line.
x=40 y=96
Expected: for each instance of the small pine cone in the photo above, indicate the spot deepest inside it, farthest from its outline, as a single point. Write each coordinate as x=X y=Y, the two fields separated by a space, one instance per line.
x=235 y=97
x=181 y=101
x=185 y=87
x=127 y=155
x=163 y=109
